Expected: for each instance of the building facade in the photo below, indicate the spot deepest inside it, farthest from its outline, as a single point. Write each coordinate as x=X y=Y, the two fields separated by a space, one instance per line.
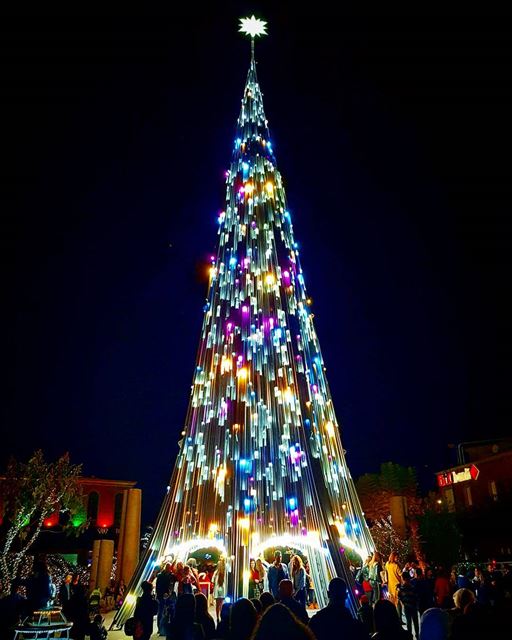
x=112 y=511
x=479 y=491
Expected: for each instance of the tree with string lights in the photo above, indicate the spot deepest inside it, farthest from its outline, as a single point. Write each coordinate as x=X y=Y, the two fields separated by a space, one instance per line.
x=32 y=492
x=261 y=463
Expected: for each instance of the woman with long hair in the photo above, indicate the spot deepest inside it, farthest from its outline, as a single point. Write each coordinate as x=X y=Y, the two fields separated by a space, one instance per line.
x=262 y=575
x=219 y=586
x=375 y=577
x=203 y=617
x=393 y=574
x=253 y=580
x=298 y=576
x=363 y=578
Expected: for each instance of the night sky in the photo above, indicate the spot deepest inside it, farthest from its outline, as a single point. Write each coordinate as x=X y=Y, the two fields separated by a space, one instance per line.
x=394 y=138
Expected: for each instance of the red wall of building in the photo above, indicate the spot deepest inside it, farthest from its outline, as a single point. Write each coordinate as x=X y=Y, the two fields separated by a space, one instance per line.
x=106 y=504
x=107 y=491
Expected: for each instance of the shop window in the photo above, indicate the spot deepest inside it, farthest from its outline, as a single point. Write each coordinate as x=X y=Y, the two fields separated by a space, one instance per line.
x=93 y=503
x=450 y=499
x=118 y=510
x=493 y=490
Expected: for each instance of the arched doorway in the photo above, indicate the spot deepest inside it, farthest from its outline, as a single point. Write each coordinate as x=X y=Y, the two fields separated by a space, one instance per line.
x=201 y=554
x=309 y=547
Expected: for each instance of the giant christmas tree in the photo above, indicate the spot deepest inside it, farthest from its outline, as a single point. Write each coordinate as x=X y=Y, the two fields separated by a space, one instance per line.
x=261 y=462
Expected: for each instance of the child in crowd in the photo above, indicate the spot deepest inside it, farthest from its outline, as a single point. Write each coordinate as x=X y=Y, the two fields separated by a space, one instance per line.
x=97 y=629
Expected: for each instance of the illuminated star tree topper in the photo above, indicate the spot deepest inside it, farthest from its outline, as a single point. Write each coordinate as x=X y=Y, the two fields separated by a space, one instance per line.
x=253 y=27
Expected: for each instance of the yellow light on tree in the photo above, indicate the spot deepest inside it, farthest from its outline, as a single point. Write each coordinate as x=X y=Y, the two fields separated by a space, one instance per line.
x=288 y=395
x=244 y=524
x=330 y=429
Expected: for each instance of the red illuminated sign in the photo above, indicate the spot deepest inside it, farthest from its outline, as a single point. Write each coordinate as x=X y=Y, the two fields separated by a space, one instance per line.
x=453 y=477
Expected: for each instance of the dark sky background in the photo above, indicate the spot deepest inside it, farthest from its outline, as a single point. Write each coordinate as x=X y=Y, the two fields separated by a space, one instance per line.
x=393 y=134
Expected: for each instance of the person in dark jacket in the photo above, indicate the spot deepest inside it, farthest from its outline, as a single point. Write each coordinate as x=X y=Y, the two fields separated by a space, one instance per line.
x=184 y=626
x=258 y=606
x=162 y=587
x=145 y=610
x=476 y=622
x=65 y=591
x=424 y=591
x=335 y=618
x=409 y=599
x=242 y=619
x=463 y=579
x=365 y=614
x=296 y=607
x=39 y=586
x=222 y=632
x=97 y=629
x=78 y=611
x=203 y=617
x=12 y=610
x=387 y=622
x=279 y=623
x=276 y=572
x=267 y=600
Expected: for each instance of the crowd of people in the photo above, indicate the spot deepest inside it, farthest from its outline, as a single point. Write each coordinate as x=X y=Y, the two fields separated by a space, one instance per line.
x=414 y=591
x=282 y=616
x=178 y=578
x=397 y=602
x=80 y=604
